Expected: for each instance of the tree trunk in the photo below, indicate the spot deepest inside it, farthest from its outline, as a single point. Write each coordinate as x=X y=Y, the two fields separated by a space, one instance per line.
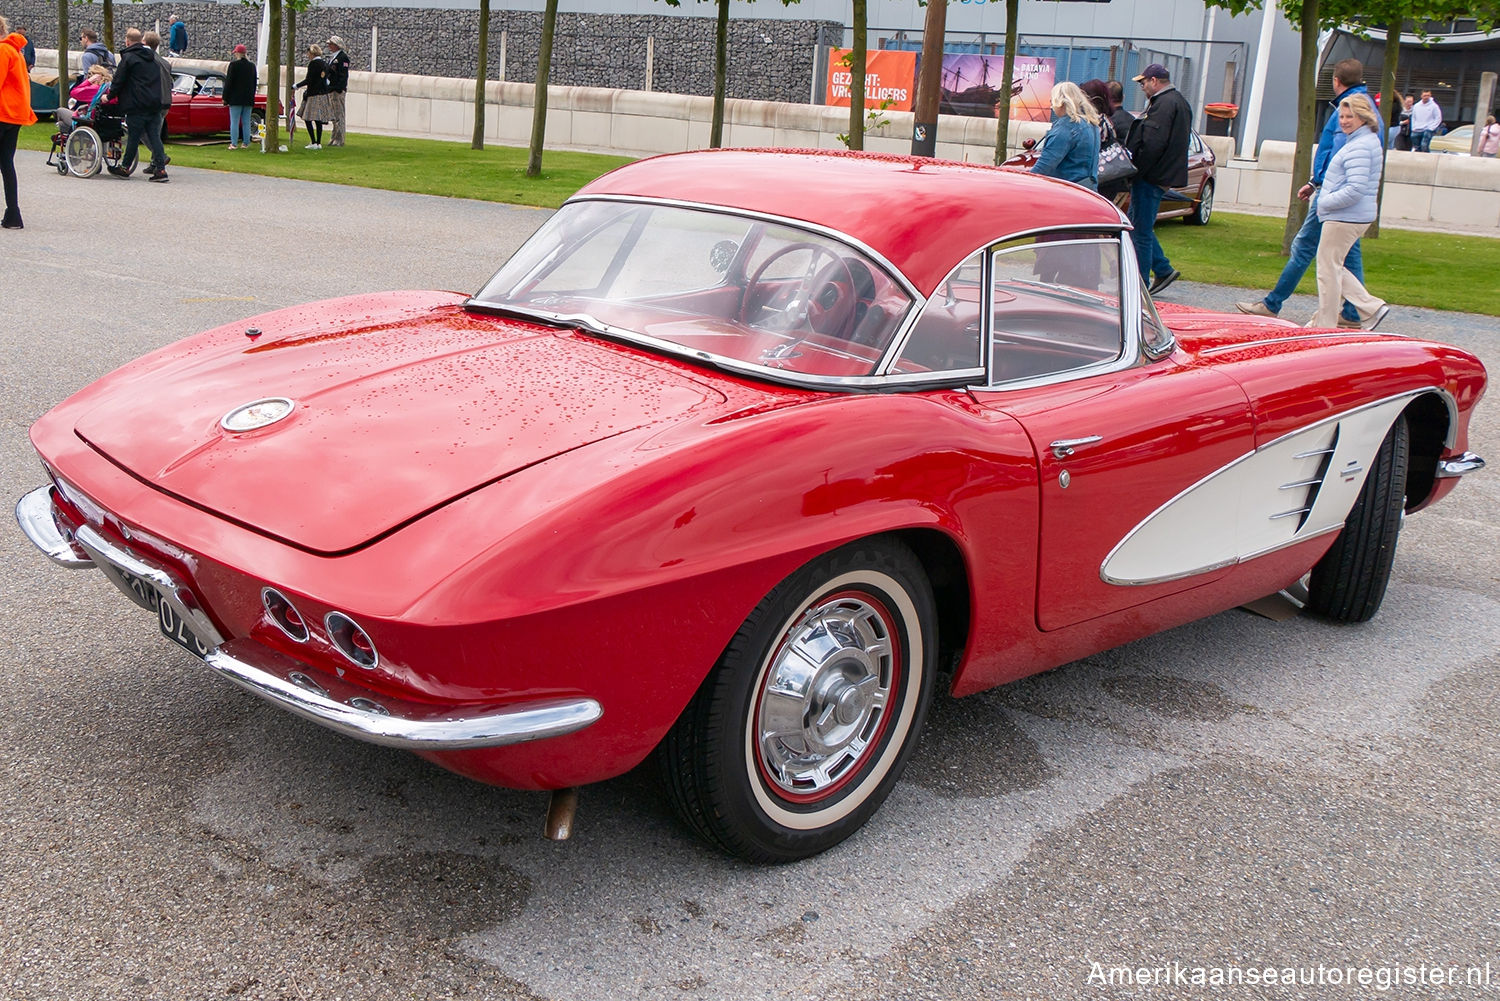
x=930 y=80
x=481 y=74
x=272 y=141
x=291 y=73
x=1002 y=111
x=62 y=53
x=109 y=25
x=1307 y=122
x=857 y=77
x=721 y=75
x=539 y=102
x=1391 y=110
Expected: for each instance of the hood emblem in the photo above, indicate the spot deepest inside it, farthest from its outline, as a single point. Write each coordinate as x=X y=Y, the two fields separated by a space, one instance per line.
x=256 y=415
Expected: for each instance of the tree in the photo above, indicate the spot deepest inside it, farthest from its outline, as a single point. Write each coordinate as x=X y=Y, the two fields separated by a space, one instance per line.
x=721 y=65
x=62 y=53
x=858 y=60
x=539 y=102
x=109 y=25
x=1002 y=110
x=481 y=74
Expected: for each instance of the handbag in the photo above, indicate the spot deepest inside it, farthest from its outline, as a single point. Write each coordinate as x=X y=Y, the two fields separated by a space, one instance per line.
x=1115 y=164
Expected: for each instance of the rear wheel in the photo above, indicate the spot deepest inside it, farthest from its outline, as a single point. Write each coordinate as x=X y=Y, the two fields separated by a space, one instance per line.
x=1348 y=583
x=84 y=152
x=805 y=725
x=257 y=126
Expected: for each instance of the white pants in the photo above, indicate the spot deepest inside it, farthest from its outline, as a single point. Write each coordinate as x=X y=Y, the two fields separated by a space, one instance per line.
x=1335 y=282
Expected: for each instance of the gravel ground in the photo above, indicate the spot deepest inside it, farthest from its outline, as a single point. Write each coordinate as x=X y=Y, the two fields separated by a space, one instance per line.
x=1231 y=795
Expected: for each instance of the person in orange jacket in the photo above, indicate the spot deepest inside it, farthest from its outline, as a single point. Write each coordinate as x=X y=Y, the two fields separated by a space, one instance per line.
x=15 y=111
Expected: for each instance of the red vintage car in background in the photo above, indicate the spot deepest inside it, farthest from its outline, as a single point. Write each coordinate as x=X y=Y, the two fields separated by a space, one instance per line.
x=733 y=463
x=198 y=106
x=1193 y=202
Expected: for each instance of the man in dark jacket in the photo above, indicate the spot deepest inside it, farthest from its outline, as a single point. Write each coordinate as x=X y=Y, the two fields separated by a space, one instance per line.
x=137 y=90
x=1159 y=146
x=338 y=83
x=152 y=41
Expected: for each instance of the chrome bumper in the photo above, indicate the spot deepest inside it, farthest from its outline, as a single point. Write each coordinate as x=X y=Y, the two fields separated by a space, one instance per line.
x=294 y=686
x=1459 y=465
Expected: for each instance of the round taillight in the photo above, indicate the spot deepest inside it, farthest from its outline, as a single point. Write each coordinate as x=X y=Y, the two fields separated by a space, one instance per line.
x=282 y=612
x=351 y=640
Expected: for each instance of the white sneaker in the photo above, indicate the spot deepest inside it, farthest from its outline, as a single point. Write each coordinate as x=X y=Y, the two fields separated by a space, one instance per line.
x=313 y=146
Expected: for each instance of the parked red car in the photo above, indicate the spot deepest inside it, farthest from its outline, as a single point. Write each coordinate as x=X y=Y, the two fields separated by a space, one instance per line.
x=198 y=106
x=733 y=463
x=1194 y=203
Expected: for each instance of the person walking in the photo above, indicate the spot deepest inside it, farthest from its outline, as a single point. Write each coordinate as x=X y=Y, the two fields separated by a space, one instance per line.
x=1120 y=119
x=137 y=91
x=28 y=51
x=338 y=84
x=177 y=37
x=1070 y=150
x=1347 y=206
x=1489 y=137
x=1158 y=146
x=15 y=111
x=94 y=53
x=166 y=79
x=316 y=104
x=1426 y=119
x=1348 y=80
x=1402 y=139
x=240 y=81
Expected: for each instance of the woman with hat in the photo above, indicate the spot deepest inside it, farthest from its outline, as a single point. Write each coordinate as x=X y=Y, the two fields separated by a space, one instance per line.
x=240 y=81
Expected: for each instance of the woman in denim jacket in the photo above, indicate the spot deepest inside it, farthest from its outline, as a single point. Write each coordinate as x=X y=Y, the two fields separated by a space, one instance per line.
x=1071 y=148
x=1347 y=207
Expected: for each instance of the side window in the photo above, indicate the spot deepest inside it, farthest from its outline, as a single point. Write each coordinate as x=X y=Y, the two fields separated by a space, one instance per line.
x=1056 y=301
x=946 y=336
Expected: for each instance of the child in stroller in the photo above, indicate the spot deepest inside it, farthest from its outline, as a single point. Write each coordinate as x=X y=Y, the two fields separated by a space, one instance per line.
x=91 y=135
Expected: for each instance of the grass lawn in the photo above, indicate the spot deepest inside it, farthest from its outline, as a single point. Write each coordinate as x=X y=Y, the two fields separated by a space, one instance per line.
x=1404 y=267
x=423 y=166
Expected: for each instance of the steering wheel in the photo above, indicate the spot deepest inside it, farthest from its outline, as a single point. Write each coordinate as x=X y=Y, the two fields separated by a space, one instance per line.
x=819 y=299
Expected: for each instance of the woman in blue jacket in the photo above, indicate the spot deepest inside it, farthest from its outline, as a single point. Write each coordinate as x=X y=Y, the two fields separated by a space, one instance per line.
x=1071 y=148
x=1346 y=206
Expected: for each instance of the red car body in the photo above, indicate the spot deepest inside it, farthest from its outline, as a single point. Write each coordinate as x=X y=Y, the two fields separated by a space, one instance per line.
x=198 y=106
x=516 y=507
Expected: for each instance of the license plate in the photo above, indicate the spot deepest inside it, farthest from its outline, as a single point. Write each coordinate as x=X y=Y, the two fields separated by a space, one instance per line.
x=172 y=625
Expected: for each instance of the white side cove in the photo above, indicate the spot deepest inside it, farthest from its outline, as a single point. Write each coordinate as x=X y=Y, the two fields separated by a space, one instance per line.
x=1295 y=488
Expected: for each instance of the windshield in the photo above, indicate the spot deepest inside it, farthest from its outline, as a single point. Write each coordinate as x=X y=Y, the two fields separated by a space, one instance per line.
x=753 y=291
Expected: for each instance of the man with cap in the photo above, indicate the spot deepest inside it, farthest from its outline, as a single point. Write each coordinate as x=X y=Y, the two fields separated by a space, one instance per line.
x=338 y=82
x=1158 y=145
x=240 y=80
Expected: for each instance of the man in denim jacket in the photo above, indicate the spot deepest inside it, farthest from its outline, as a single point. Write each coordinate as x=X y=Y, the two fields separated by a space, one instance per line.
x=1348 y=78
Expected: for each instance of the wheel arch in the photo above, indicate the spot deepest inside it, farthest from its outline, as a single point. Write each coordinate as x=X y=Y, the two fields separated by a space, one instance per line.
x=947 y=572
x=1429 y=420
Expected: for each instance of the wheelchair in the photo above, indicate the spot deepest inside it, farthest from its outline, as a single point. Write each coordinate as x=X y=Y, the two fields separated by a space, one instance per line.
x=86 y=141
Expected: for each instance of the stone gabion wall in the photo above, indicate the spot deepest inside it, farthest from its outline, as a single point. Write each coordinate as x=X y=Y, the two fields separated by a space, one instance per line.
x=769 y=60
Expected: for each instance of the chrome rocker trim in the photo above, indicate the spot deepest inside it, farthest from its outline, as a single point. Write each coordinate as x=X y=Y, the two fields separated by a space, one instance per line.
x=1459 y=465
x=289 y=683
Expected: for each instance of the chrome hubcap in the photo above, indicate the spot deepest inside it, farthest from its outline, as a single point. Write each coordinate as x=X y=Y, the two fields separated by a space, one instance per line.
x=824 y=700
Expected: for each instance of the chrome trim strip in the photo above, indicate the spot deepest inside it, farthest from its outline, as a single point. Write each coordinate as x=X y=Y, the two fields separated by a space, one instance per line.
x=1302 y=537
x=112 y=559
x=1459 y=465
x=1315 y=481
x=34 y=513
x=1291 y=514
x=1316 y=451
x=449 y=729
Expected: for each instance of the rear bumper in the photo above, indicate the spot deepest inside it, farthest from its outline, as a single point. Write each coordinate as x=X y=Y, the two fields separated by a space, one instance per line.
x=292 y=685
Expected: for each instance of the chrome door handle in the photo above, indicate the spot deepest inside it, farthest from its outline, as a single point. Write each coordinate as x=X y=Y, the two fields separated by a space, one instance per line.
x=1064 y=447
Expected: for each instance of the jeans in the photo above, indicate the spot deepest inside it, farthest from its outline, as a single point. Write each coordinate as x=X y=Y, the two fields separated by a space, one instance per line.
x=145 y=124
x=1145 y=201
x=1304 y=250
x=1421 y=141
x=239 y=124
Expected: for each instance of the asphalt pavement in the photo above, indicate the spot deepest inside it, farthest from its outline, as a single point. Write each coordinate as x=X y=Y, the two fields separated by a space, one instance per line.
x=1234 y=795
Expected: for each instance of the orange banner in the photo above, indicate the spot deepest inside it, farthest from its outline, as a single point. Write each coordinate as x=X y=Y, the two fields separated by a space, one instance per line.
x=889 y=76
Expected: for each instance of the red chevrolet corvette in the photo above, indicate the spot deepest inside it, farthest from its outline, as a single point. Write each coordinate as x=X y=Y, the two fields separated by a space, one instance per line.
x=739 y=457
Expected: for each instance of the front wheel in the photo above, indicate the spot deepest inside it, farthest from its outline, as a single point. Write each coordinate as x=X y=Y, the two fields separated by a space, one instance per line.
x=1204 y=209
x=806 y=723
x=1348 y=583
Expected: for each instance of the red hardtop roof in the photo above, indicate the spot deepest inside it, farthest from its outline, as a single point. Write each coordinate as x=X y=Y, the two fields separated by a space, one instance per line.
x=924 y=216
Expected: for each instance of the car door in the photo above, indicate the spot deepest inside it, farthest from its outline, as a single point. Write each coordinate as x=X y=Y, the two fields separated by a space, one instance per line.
x=209 y=113
x=1119 y=423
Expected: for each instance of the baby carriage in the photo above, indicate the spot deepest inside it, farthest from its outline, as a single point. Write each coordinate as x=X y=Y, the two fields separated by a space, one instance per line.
x=88 y=139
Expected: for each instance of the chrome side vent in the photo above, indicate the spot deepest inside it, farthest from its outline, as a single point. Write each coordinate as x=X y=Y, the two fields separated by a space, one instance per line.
x=1311 y=485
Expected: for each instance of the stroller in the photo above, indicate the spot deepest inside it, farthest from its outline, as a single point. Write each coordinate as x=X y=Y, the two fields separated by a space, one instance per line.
x=88 y=139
